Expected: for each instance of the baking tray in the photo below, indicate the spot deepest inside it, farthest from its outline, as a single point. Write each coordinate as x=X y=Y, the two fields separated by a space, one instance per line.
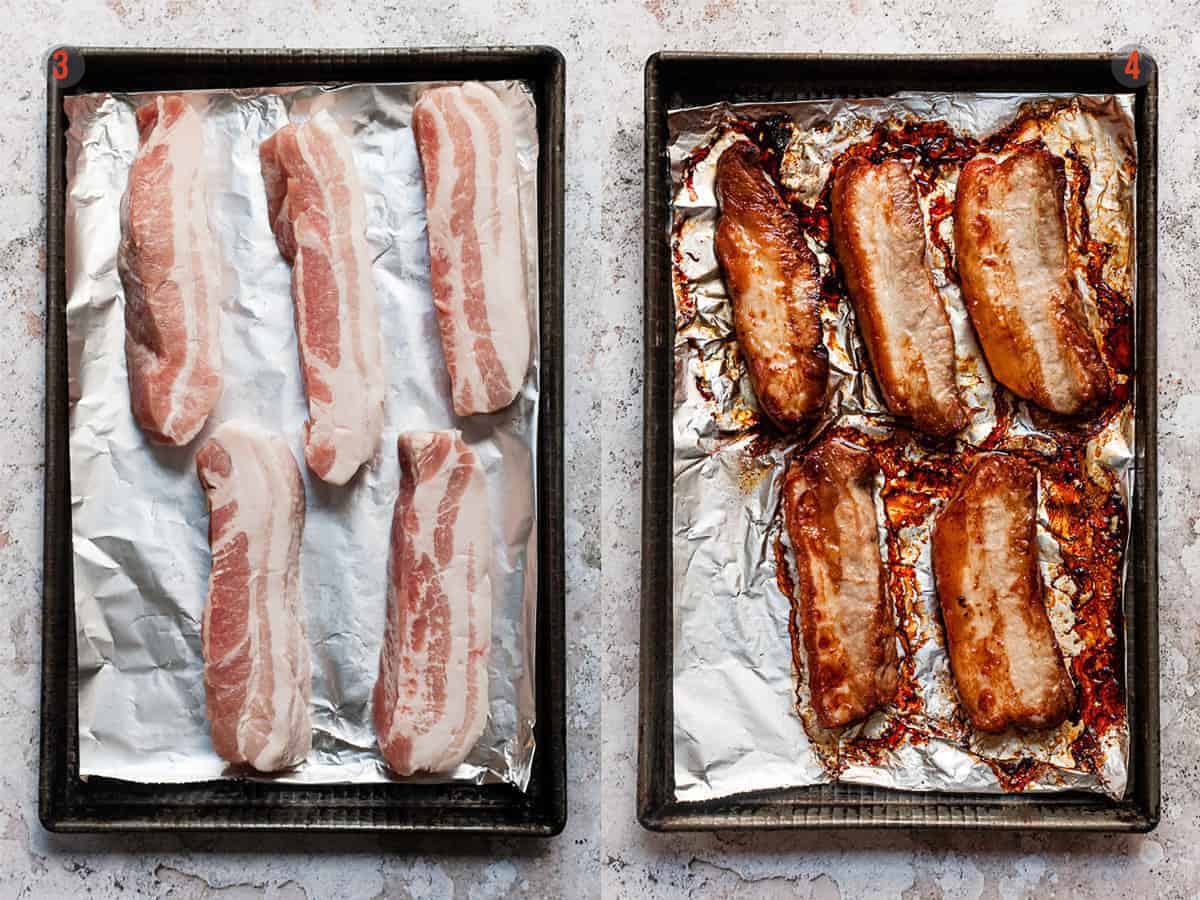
x=675 y=80
x=67 y=803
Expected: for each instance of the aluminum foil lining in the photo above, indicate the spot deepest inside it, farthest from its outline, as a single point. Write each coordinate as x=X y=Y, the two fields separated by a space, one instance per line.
x=139 y=516
x=743 y=718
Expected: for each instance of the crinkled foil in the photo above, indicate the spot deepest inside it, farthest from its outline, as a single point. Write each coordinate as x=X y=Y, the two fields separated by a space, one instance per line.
x=743 y=717
x=138 y=512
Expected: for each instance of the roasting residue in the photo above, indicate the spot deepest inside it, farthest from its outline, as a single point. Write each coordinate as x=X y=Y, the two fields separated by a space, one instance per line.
x=1083 y=511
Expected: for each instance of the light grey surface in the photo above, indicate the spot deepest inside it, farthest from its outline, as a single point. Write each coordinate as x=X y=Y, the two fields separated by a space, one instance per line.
x=605 y=44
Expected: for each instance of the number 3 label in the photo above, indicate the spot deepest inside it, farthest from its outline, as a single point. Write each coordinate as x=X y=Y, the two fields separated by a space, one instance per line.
x=1132 y=66
x=64 y=67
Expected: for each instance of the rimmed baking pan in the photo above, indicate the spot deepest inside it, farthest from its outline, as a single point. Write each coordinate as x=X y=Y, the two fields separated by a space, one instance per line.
x=678 y=80
x=69 y=803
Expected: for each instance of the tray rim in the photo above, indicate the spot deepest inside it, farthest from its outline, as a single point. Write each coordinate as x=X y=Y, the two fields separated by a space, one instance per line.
x=853 y=806
x=67 y=803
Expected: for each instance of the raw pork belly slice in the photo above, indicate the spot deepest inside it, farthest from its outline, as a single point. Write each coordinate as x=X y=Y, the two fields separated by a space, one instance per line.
x=465 y=138
x=319 y=217
x=170 y=267
x=431 y=699
x=257 y=671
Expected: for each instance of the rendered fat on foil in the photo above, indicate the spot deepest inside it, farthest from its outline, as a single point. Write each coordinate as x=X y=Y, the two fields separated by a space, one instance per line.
x=744 y=720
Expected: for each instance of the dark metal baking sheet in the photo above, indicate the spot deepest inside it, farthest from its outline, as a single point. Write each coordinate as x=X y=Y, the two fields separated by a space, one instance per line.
x=67 y=803
x=675 y=80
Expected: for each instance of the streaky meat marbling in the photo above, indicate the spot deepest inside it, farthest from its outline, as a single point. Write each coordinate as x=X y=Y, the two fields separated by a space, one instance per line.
x=170 y=267
x=318 y=212
x=431 y=697
x=465 y=136
x=257 y=669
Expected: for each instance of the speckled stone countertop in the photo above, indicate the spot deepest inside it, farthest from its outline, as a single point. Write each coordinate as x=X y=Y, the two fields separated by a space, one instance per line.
x=603 y=849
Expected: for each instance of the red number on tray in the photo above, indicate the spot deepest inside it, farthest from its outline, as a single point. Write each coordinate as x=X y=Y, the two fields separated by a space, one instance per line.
x=60 y=65
x=1131 y=66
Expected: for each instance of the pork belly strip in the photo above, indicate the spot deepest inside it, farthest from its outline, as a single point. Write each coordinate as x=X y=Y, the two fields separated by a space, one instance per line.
x=319 y=217
x=1003 y=652
x=846 y=617
x=773 y=282
x=468 y=152
x=170 y=268
x=1011 y=237
x=431 y=697
x=257 y=671
x=879 y=236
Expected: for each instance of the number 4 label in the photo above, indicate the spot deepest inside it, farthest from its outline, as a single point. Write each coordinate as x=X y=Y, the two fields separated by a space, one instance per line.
x=1132 y=66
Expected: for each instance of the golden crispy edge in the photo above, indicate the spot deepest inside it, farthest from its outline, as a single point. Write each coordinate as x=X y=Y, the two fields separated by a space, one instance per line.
x=847 y=239
x=1005 y=348
x=751 y=203
x=808 y=474
x=970 y=661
